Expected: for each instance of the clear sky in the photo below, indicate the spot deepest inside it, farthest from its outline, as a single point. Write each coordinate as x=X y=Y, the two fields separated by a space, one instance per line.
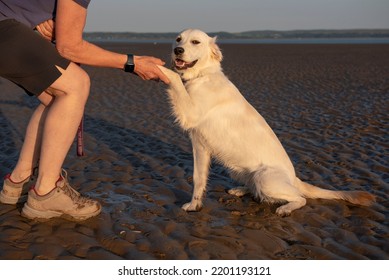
x=235 y=15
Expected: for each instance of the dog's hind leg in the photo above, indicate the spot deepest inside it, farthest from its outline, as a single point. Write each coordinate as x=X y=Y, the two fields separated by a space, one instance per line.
x=275 y=186
x=239 y=191
x=202 y=159
x=286 y=209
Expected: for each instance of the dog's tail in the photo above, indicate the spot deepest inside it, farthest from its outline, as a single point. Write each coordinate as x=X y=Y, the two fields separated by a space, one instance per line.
x=354 y=197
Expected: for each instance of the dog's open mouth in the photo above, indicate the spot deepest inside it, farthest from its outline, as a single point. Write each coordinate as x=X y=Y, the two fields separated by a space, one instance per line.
x=182 y=65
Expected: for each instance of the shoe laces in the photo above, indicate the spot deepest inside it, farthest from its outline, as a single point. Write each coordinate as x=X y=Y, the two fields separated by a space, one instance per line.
x=69 y=191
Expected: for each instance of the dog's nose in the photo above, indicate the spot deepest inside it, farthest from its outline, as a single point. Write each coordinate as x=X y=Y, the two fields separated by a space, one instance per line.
x=179 y=50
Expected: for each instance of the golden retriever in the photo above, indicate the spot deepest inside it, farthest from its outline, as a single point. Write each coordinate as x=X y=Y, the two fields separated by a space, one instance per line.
x=222 y=124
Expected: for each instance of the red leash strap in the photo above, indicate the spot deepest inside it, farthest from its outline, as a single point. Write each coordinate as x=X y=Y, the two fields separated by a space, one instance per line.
x=80 y=139
x=80 y=135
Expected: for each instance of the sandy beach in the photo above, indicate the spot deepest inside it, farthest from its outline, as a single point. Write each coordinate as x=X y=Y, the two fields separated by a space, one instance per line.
x=328 y=104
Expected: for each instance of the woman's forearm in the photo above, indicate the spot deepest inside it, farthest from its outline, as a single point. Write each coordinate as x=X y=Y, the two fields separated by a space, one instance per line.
x=90 y=54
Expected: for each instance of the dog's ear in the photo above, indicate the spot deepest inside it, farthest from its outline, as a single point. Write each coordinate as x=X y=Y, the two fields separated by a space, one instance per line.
x=215 y=51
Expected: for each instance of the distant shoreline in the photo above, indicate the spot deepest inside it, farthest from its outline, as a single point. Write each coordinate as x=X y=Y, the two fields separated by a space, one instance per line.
x=249 y=35
x=252 y=41
x=355 y=36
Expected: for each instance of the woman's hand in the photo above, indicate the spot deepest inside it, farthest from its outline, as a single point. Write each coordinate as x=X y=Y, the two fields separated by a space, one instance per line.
x=146 y=68
x=47 y=29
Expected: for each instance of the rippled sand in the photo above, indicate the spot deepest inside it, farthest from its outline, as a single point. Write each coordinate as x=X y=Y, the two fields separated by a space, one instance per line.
x=327 y=103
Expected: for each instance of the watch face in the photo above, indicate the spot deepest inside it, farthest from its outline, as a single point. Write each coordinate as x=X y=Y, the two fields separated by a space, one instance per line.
x=129 y=68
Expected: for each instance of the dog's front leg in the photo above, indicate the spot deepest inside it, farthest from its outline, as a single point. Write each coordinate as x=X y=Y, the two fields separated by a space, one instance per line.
x=185 y=111
x=174 y=78
x=202 y=159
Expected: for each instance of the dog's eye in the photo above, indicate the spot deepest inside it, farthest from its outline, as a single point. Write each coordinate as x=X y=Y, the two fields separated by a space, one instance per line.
x=178 y=39
x=195 y=42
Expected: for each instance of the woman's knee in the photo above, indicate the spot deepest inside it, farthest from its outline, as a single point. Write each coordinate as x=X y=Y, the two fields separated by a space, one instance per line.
x=83 y=81
x=73 y=81
x=77 y=79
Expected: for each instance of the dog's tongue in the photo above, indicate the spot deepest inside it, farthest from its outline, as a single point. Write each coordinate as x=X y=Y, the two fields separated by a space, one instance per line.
x=180 y=63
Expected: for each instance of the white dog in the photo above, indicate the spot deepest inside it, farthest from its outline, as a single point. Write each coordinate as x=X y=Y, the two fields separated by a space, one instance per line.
x=223 y=125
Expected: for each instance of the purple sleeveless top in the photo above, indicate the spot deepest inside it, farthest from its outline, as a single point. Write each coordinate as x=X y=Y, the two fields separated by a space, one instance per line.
x=31 y=12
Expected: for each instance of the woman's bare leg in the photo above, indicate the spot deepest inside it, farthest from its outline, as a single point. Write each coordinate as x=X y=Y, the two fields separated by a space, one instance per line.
x=62 y=119
x=29 y=154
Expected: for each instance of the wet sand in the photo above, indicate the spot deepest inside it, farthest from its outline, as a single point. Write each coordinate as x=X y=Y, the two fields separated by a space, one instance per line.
x=327 y=103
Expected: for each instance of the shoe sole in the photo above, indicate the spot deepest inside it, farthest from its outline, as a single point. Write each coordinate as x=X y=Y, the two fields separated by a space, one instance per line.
x=33 y=214
x=11 y=199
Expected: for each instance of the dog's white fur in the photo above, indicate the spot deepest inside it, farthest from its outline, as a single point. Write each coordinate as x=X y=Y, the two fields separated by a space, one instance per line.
x=223 y=125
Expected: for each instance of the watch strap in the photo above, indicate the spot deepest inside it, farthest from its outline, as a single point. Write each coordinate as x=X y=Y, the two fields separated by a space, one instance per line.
x=129 y=66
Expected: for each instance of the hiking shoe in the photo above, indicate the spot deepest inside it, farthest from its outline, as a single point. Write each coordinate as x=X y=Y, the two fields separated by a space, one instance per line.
x=16 y=192
x=62 y=201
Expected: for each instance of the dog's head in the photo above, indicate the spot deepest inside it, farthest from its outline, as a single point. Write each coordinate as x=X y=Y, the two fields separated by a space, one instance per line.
x=194 y=53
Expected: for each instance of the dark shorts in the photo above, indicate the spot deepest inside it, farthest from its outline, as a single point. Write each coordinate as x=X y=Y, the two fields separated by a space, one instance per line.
x=27 y=59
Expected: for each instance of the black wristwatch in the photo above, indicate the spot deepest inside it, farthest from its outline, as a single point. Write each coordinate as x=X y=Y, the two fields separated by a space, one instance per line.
x=129 y=66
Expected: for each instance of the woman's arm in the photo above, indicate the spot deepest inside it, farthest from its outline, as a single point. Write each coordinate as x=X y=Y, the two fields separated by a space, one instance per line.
x=69 y=26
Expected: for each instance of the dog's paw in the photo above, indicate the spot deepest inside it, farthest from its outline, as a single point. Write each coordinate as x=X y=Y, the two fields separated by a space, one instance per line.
x=192 y=207
x=172 y=76
x=283 y=211
x=289 y=207
x=239 y=191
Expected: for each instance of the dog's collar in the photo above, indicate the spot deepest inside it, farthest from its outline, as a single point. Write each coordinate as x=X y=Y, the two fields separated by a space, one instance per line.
x=185 y=81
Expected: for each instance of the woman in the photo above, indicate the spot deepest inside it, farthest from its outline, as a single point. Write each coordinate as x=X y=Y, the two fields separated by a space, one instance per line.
x=50 y=73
